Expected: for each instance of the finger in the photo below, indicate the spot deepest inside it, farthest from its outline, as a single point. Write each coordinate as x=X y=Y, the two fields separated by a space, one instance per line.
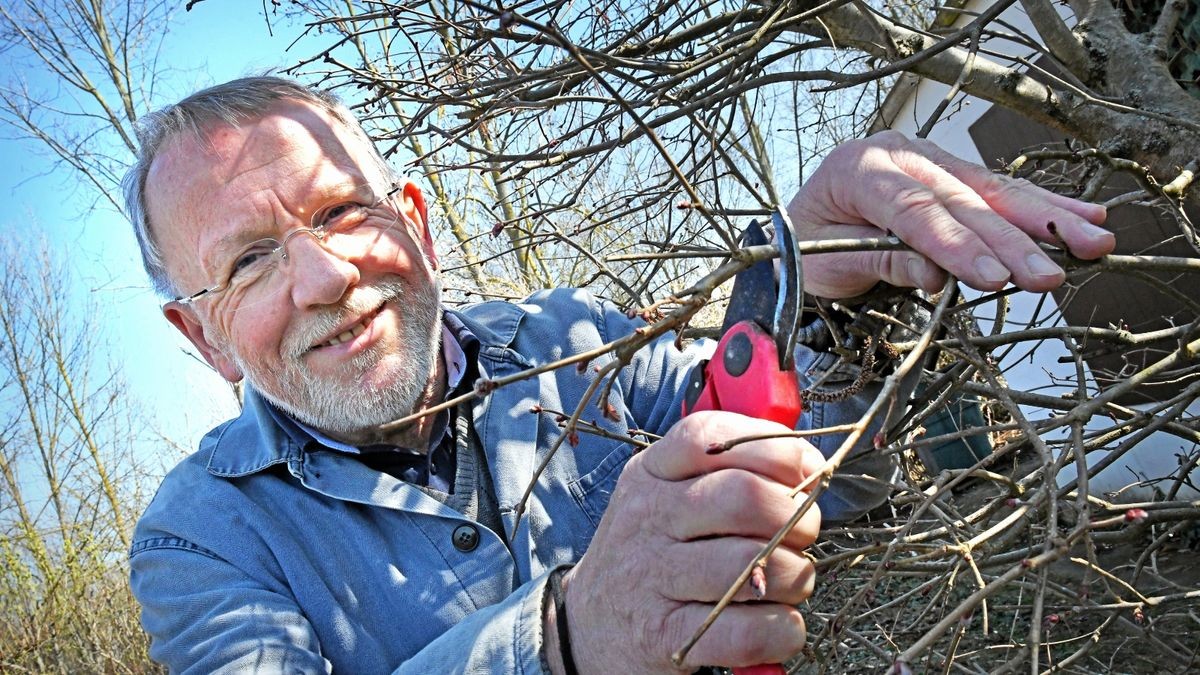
x=744 y=634
x=955 y=208
x=1012 y=239
x=910 y=269
x=840 y=275
x=917 y=212
x=735 y=502
x=987 y=182
x=1031 y=207
x=702 y=571
x=686 y=450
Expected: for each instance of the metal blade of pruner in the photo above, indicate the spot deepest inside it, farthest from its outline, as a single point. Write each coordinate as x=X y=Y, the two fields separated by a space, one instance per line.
x=775 y=301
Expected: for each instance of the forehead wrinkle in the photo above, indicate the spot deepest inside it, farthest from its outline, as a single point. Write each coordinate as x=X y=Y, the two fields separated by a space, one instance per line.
x=290 y=131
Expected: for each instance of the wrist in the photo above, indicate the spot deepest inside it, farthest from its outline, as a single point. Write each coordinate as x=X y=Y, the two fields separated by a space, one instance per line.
x=556 y=639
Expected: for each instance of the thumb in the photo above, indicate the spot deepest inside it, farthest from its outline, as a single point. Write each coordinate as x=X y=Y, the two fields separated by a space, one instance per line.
x=696 y=445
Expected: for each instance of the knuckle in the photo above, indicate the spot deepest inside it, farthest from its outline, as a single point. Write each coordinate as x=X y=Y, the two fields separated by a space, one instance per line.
x=1001 y=186
x=957 y=238
x=657 y=633
x=891 y=137
x=700 y=494
x=963 y=199
x=761 y=499
x=633 y=476
x=704 y=427
x=1009 y=237
x=915 y=203
x=893 y=264
x=748 y=484
x=854 y=150
x=672 y=630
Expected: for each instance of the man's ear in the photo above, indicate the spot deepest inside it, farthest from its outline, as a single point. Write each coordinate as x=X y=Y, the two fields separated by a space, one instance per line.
x=186 y=322
x=412 y=202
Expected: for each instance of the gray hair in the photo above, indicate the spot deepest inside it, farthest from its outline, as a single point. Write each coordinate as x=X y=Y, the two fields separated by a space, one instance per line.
x=233 y=103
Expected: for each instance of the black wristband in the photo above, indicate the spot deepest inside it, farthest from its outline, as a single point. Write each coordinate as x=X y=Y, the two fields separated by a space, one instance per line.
x=560 y=617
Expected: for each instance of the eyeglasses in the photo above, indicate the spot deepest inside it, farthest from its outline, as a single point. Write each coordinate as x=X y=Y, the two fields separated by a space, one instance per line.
x=348 y=225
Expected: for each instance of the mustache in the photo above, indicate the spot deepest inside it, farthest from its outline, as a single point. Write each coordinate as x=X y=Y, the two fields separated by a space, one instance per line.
x=363 y=300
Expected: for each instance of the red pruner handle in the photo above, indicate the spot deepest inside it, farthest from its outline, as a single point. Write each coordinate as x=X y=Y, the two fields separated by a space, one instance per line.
x=762 y=669
x=744 y=377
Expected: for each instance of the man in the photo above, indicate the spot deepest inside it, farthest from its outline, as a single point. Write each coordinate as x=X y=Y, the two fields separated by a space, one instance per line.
x=307 y=535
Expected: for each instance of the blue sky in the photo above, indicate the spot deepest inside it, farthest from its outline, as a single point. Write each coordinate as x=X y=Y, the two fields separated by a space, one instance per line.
x=218 y=40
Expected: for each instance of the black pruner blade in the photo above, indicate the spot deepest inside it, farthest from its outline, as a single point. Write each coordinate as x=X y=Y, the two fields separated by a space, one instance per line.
x=774 y=302
x=789 y=301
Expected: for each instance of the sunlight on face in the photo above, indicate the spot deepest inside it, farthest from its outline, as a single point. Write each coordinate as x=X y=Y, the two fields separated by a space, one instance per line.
x=347 y=339
x=382 y=384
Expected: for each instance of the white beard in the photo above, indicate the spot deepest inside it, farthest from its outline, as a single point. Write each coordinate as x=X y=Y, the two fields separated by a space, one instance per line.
x=348 y=406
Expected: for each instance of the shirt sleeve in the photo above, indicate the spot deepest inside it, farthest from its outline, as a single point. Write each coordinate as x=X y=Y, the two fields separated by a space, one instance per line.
x=206 y=616
x=502 y=638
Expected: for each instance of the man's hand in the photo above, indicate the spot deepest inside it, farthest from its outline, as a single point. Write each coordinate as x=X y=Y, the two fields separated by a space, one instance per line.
x=680 y=526
x=959 y=217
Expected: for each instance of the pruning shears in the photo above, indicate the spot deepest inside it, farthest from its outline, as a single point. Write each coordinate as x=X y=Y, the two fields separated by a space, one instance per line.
x=753 y=371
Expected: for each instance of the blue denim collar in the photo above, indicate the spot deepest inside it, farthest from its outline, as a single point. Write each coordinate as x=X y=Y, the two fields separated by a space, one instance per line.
x=262 y=436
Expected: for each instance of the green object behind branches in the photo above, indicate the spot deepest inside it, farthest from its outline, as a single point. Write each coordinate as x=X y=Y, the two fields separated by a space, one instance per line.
x=959 y=453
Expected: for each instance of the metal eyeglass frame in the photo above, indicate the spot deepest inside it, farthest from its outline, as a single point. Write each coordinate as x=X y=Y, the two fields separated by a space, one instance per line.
x=280 y=249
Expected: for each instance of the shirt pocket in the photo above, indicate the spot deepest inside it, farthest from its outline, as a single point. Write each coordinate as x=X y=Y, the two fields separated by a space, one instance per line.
x=593 y=490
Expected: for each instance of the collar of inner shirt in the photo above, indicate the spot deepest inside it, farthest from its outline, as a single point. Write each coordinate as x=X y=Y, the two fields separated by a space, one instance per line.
x=457 y=340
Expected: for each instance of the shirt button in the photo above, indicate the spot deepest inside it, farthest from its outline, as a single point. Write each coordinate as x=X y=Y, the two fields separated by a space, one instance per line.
x=465 y=537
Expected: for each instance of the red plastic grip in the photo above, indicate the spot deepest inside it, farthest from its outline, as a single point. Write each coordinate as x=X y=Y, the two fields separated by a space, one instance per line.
x=744 y=377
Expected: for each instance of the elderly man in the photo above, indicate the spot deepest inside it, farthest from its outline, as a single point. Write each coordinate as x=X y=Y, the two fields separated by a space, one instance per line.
x=309 y=535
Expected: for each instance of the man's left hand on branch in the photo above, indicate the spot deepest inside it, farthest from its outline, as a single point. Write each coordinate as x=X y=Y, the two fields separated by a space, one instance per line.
x=957 y=217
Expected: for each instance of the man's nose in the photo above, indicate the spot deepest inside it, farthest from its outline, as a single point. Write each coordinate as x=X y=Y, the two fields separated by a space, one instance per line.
x=318 y=275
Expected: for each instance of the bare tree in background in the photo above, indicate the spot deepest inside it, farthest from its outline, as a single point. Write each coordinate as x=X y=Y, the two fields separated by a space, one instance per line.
x=582 y=128
x=620 y=145
x=69 y=488
x=77 y=73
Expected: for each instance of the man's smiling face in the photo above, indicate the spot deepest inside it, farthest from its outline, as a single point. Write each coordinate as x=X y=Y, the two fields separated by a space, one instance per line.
x=343 y=337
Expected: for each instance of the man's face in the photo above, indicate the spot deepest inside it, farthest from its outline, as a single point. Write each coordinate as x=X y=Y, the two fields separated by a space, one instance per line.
x=343 y=339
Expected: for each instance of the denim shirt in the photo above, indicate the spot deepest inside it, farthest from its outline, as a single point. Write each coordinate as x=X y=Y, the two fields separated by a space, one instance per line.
x=258 y=554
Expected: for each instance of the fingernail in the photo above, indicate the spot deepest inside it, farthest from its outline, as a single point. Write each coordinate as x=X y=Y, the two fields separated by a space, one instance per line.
x=990 y=270
x=758 y=582
x=1096 y=231
x=1041 y=266
x=916 y=271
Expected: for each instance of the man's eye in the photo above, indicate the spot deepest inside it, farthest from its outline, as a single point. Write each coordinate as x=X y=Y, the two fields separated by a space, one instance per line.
x=250 y=260
x=341 y=217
